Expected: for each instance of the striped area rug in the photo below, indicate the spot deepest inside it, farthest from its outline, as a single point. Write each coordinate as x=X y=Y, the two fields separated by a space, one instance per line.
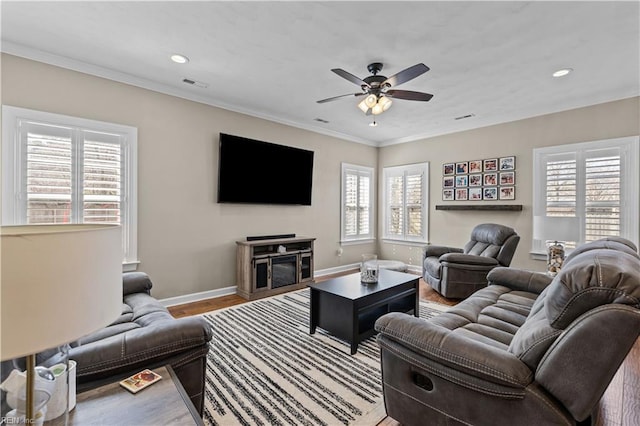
x=264 y=368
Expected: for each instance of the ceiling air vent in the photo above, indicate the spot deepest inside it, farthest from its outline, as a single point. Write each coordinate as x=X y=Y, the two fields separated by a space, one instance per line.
x=462 y=117
x=195 y=83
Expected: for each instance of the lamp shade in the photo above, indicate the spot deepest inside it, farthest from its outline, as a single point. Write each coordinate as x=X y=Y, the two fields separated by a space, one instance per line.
x=58 y=283
x=556 y=228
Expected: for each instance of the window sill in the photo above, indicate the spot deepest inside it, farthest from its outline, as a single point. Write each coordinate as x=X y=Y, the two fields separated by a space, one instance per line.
x=130 y=266
x=355 y=242
x=405 y=242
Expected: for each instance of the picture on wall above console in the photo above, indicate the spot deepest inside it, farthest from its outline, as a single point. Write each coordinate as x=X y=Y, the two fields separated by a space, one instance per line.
x=487 y=179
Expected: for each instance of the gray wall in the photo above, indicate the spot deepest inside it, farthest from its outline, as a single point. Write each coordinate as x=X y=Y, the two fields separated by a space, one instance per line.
x=519 y=138
x=186 y=241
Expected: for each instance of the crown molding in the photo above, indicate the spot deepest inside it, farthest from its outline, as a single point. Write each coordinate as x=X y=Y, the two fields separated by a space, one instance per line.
x=38 y=55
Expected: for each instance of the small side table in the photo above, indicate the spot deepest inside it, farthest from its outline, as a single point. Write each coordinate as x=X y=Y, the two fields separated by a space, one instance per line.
x=164 y=402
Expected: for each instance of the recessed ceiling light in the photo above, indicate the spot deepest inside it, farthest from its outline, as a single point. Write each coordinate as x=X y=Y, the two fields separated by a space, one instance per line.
x=179 y=59
x=562 y=72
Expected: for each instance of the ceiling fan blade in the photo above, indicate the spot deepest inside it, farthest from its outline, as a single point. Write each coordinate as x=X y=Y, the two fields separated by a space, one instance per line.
x=348 y=76
x=338 y=97
x=409 y=95
x=405 y=75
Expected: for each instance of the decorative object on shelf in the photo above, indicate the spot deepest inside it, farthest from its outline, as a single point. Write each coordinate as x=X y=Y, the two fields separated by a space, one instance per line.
x=488 y=179
x=50 y=275
x=369 y=269
x=556 y=232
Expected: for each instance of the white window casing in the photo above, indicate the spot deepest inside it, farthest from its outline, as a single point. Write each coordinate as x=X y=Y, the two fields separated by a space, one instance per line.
x=357 y=204
x=596 y=182
x=405 y=203
x=63 y=169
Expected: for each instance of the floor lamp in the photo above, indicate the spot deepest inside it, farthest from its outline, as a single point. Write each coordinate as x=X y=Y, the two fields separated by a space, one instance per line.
x=58 y=283
x=555 y=231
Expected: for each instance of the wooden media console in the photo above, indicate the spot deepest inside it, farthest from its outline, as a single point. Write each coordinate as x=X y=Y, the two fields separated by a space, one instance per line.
x=273 y=266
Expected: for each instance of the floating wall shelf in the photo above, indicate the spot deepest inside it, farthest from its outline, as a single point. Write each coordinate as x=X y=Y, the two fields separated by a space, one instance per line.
x=503 y=207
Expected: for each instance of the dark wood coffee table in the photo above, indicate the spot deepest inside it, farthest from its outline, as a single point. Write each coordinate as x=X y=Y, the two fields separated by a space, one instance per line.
x=348 y=309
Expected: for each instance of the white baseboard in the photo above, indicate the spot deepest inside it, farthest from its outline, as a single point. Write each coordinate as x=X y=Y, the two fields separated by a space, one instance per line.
x=195 y=297
x=226 y=291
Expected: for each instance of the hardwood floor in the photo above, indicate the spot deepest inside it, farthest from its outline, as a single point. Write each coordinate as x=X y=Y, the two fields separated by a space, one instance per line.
x=619 y=406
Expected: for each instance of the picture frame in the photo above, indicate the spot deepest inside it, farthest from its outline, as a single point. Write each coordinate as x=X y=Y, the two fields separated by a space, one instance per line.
x=475 y=194
x=490 y=193
x=448 y=169
x=462 y=181
x=507 y=178
x=507 y=163
x=490 y=179
x=475 y=166
x=475 y=180
x=507 y=192
x=448 y=182
x=462 y=194
x=462 y=168
x=490 y=165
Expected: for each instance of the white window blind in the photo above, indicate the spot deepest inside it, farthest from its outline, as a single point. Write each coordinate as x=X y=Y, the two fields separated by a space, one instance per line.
x=405 y=202
x=357 y=202
x=59 y=169
x=596 y=182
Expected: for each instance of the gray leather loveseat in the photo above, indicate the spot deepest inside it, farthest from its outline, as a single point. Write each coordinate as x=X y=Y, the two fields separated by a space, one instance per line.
x=526 y=350
x=144 y=336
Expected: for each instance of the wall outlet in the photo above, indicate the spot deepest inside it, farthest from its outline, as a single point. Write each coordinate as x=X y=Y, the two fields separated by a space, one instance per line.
x=339 y=252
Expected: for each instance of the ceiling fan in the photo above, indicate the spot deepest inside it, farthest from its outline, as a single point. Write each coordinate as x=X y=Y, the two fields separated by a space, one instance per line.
x=378 y=89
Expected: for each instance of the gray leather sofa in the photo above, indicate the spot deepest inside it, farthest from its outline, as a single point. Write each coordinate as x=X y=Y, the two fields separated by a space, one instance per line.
x=526 y=350
x=458 y=272
x=144 y=336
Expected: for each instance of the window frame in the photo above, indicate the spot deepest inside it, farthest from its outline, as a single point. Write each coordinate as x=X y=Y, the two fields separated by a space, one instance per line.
x=629 y=183
x=404 y=170
x=14 y=164
x=360 y=171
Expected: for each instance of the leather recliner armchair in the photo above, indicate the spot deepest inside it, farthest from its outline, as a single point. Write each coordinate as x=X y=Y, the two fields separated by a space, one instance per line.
x=458 y=272
x=144 y=336
x=526 y=350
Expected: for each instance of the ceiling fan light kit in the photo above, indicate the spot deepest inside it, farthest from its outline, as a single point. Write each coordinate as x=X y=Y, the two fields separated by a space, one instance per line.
x=377 y=88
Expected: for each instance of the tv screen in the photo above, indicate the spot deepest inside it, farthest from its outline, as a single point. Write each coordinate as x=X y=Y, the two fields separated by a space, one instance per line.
x=257 y=172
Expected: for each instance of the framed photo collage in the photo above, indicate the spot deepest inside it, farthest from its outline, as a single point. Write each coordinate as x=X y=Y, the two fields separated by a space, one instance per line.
x=479 y=180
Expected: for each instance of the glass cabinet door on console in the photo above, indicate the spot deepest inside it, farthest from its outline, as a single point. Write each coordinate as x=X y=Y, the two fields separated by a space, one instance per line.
x=306 y=267
x=261 y=274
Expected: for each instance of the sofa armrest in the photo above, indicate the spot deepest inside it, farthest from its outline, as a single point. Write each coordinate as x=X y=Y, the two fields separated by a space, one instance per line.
x=136 y=282
x=468 y=259
x=519 y=279
x=438 y=251
x=454 y=350
x=142 y=345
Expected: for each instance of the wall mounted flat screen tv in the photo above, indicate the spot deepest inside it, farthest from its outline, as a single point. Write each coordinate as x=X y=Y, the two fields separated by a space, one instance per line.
x=257 y=172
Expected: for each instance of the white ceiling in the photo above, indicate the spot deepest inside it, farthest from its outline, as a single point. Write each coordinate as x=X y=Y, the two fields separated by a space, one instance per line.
x=273 y=59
